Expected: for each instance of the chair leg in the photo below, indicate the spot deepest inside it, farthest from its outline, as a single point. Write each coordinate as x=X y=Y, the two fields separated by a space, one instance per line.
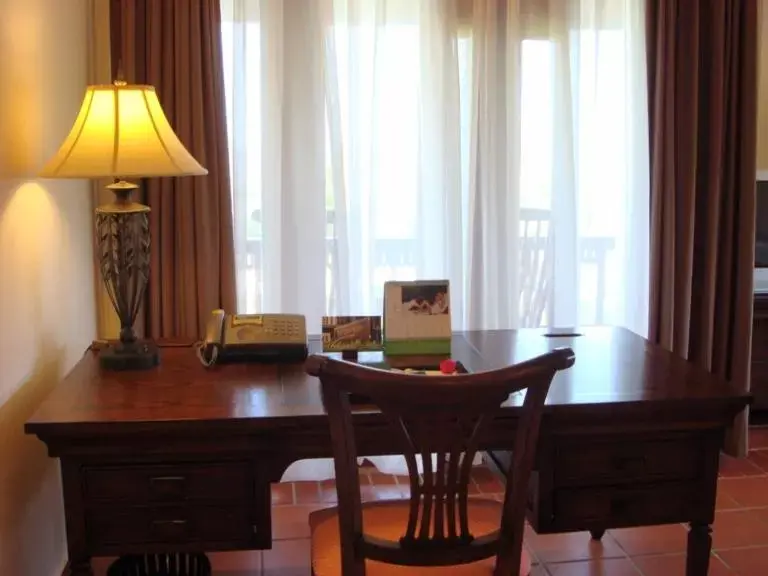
x=513 y=564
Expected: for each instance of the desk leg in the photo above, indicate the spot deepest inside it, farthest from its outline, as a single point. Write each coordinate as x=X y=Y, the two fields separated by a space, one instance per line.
x=699 y=549
x=74 y=516
x=597 y=534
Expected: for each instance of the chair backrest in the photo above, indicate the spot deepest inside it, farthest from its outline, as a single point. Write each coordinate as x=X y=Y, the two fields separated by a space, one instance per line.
x=446 y=416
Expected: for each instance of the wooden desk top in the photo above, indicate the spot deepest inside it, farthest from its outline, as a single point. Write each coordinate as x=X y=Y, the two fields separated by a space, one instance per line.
x=613 y=366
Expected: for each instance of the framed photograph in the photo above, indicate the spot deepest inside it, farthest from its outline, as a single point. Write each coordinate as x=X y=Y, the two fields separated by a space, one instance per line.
x=425 y=299
x=417 y=317
x=345 y=333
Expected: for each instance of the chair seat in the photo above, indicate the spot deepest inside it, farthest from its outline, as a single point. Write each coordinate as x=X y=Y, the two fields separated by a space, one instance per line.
x=387 y=520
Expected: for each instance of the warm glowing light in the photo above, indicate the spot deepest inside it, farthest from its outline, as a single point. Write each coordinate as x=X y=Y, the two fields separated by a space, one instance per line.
x=121 y=132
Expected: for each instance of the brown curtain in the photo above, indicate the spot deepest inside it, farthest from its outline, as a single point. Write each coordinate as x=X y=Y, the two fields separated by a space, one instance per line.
x=702 y=86
x=176 y=47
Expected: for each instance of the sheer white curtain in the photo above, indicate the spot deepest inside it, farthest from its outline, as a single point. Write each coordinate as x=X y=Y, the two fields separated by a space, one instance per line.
x=346 y=132
x=501 y=144
x=559 y=165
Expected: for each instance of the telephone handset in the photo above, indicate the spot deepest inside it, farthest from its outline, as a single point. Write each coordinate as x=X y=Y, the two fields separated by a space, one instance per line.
x=253 y=337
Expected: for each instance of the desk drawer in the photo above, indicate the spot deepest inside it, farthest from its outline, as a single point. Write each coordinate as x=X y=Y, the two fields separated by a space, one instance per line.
x=169 y=525
x=587 y=508
x=169 y=483
x=589 y=462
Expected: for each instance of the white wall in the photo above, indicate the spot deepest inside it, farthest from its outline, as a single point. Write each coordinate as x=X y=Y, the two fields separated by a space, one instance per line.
x=47 y=311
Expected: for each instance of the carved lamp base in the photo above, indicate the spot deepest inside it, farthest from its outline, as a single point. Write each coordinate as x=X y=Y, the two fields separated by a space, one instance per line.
x=141 y=355
x=122 y=235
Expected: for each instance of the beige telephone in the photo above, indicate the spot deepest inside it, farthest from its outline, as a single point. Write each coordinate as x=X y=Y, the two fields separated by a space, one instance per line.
x=254 y=337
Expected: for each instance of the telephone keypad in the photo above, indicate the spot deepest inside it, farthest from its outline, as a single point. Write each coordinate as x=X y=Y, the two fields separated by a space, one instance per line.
x=278 y=329
x=270 y=329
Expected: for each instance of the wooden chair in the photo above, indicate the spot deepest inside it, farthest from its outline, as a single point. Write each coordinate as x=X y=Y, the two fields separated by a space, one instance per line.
x=439 y=530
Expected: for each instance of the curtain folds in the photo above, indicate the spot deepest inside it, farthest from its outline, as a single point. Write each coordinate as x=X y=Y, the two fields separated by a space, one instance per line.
x=494 y=187
x=374 y=140
x=702 y=81
x=176 y=47
x=501 y=144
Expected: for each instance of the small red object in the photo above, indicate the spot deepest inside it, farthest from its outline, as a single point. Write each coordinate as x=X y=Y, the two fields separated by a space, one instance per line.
x=448 y=366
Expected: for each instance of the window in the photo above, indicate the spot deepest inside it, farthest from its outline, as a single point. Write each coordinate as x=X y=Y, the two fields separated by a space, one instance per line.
x=402 y=168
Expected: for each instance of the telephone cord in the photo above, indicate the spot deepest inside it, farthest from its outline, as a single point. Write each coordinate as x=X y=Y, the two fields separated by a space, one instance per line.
x=199 y=347
x=97 y=345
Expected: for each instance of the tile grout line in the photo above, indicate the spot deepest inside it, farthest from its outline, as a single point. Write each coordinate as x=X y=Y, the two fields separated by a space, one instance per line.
x=618 y=543
x=722 y=560
x=742 y=477
x=634 y=565
x=742 y=508
x=741 y=548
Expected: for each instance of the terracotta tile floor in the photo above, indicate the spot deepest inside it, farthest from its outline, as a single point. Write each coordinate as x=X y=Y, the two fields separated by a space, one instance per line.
x=740 y=533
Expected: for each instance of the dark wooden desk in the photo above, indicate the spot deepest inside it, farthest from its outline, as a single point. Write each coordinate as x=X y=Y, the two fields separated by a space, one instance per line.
x=180 y=458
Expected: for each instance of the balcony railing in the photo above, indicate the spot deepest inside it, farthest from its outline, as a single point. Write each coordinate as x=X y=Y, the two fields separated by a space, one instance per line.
x=397 y=257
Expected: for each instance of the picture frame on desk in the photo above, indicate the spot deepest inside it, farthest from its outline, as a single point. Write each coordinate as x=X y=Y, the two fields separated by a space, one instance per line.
x=351 y=334
x=417 y=318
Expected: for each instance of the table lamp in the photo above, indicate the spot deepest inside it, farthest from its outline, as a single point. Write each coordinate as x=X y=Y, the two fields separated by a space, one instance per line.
x=121 y=132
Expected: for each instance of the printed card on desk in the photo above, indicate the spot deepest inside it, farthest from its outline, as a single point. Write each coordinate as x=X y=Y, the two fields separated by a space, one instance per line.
x=342 y=333
x=417 y=317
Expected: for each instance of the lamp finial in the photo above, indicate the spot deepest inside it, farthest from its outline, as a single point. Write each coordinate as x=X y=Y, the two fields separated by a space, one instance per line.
x=119 y=77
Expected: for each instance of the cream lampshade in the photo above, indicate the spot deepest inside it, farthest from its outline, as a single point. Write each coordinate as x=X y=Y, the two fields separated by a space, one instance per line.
x=122 y=132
